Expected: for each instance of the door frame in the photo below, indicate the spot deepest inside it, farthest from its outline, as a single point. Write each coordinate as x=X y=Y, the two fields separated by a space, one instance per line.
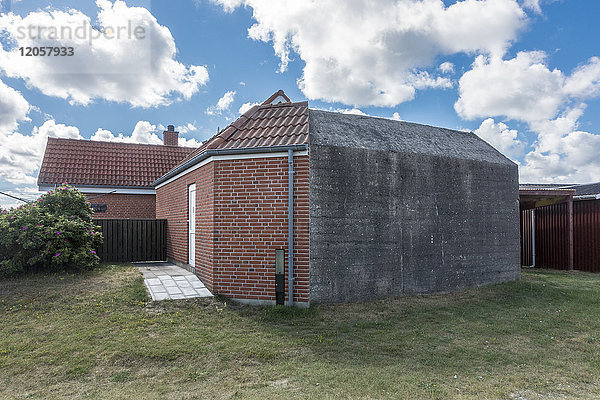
x=191 y=220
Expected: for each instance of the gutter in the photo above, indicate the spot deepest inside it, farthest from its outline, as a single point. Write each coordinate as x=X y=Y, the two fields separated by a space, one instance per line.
x=587 y=197
x=54 y=185
x=226 y=152
x=104 y=189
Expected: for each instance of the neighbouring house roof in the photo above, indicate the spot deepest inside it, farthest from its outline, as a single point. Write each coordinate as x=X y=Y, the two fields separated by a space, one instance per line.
x=265 y=125
x=534 y=196
x=366 y=132
x=580 y=189
x=96 y=163
x=588 y=189
x=542 y=186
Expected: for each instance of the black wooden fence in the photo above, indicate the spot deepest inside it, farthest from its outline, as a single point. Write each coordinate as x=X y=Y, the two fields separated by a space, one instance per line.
x=127 y=240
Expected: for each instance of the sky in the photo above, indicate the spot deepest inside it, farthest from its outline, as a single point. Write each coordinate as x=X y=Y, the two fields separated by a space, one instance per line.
x=524 y=75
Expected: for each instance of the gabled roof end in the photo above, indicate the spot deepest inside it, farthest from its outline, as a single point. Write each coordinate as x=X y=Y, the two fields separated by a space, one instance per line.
x=277 y=97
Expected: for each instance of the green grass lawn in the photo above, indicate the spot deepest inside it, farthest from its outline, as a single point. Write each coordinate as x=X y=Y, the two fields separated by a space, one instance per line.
x=95 y=335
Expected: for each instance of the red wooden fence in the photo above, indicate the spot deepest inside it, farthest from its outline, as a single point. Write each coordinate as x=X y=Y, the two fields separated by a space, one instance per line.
x=551 y=236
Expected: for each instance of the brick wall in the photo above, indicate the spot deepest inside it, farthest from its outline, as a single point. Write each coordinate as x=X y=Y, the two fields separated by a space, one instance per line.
x=241 y=221
x=172 y=204
x=125 y=206
x=251 y=222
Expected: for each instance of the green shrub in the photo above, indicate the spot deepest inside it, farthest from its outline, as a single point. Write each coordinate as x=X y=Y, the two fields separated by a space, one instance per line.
x=55 y=232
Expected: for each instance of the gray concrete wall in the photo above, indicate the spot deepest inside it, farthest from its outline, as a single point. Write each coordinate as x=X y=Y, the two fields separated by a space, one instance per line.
x=387 y=223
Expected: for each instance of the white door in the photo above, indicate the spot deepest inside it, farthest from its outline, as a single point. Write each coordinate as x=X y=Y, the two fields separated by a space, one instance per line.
x=192 y=224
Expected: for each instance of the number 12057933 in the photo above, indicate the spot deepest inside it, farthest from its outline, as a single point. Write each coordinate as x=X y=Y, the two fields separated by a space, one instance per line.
x=47 y=51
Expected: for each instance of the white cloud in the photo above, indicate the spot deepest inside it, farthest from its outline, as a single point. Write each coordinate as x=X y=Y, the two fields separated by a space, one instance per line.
x=353 y=111
x=225 y=101
x=246 y=106
x=551 y=132
x=13 y=108
x=584 y=82
x=223 y=104
x=447 y=67
x=423 y=80
x=356 y=111
x=536 y=5
x=182 y=129
x=501 y=137
x=230 y=5
x=143 y=132
x=141 y=71
x=378 y=52
x=549 y=101
x=183 y=142
x=189 y=127
x=21 y=155
x=562 y=152
x=533 y=5
x=576 y=162
x=523 y=88
x=28 y=193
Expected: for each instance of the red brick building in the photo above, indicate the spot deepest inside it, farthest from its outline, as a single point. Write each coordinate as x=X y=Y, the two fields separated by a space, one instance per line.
x=227 y=206
x=347 y=207
x=116 y=177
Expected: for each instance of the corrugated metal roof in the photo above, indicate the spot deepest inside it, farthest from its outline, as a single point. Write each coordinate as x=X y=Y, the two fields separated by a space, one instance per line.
x=86 y=162
x=580 y=189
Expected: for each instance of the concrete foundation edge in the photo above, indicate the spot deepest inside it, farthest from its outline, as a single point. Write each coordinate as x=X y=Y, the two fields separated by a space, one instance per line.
x=252 y=302
x=187 y=267
x=255 y=302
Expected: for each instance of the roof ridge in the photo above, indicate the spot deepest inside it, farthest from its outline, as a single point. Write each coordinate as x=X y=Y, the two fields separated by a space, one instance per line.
x=252 y=122
x=120 y=143
x=226 y=133
x=290 y=104
x=85 y=162
x=275 y=95
x=391 y=120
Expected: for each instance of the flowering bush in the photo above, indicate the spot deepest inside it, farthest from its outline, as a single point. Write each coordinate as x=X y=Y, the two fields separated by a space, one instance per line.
x=55 y=232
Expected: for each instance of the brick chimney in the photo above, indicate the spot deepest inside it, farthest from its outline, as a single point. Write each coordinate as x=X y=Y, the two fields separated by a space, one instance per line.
x=170 y=136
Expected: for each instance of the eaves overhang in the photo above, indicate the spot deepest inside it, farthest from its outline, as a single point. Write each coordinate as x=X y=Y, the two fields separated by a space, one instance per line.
x=226 y=152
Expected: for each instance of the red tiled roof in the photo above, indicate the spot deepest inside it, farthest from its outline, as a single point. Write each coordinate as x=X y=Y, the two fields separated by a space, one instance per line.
x=86 y=162
x=265 y=125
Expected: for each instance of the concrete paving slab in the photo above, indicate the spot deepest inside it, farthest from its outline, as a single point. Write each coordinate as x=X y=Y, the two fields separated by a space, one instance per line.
x=166 y=281
x=158 y=288
x=197 y=284
x=173 y=290
x=204 y=292
x=153 y=281
x=188 y=291
x=160 y=296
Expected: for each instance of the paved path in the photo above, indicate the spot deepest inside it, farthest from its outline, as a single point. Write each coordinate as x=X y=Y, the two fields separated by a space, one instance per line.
x=166 y=281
